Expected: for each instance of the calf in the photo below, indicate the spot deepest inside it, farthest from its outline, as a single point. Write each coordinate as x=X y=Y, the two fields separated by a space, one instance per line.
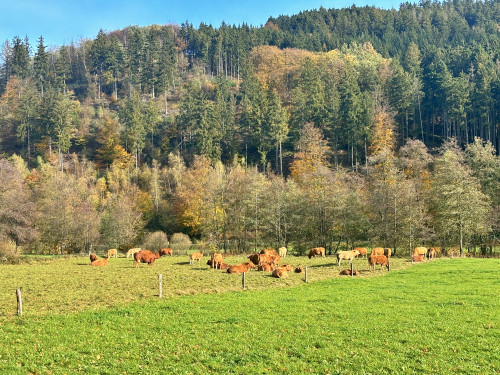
x=216 y=260
x=100 y=262
x=93 y=257
x=131 y=252
x=167 y=251
x=373 y=260
x=195 y=256
x=145 y=256
x=348 y=272
x=266 y=267
x=349 y=255
x=282 y=252
x=299 y=269
x=112 y=253
x=317 y=251
x=240 y=268
x=361 y=250
x=280 y=273
x=418 y=258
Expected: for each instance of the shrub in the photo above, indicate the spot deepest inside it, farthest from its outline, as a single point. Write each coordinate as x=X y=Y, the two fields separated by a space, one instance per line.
x=180 y=239
x=155 y=241
x=8 y=252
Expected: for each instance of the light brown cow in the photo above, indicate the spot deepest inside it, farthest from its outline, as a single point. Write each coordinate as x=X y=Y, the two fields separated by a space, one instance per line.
x=216 y=260
x=254 y=258
x=269 y=251
x=100 y=262
x=377 y=251
x=387 y=252
x=348 y=272
x=418 y=258
x=280 y=273
x=131 y=252
x=432 y=253
x=145 y=256
x=282 y=252
x=112 y=253
x=266 y=267
x=93 y=257
x=195 y=256
x=348 y=255
x=166 y=251
x=240 y=268
x=420 y=251
x=373 y=260
x=223 y=266
x=286 y=267
x=362 y=251
x=317 y=251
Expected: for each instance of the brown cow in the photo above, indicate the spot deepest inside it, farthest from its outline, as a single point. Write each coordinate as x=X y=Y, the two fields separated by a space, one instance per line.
x=195 y=256
x=282 y=252
x=432 y=253
x=418 y=258
x=269 y=259
x=93 y=257
x=131 y=252
x=420 y=251
x=216 y=260
x=266 y=267
x=317 y=251
x=269 y=251
x=280 y=273
x=112 y=253
x=223 y=266
x=348 y=272
x=373 y=260
x=387 y=252
x=254 y=258
x=299 y=270
x=361 y=250
x=377 y=251
x=240 y=268
x=286 y=267
x=145 y=256
x=166 y=251
x=100 y=262
x=349 y=255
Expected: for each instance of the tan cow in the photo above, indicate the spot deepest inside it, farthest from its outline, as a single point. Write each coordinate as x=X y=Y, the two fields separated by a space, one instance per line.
x=348 y=255
x=217 y=260
x=269 y=251
x=166 y=251
x=282 y=252
x=266 y=267
x=280 y=273
x=240 y=268
x=362 y=251
x=195 y=256
x=100 y=262
x=317 y=251
x=112 y=253
x=377 y=251
x=420 y=251
x=145 y=256
x=418 y=258
x=131 y=252
x=432 y=253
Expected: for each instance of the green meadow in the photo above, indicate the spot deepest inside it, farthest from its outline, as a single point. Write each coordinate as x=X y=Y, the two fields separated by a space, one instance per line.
x=436 y=317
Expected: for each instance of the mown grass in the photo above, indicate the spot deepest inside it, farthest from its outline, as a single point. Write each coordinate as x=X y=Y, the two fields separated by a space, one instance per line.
x=70 y=284
x=440 y=317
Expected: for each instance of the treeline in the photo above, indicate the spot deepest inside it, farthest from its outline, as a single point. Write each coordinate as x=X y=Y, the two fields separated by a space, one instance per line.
x=241 y=95
x=404 y=199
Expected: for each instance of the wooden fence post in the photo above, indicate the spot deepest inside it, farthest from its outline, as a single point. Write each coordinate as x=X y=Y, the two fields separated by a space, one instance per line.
x=352 y=269
x=243 y=276
x=306 y=274
x=160 y=285
x=19 y=302
x=388 y=264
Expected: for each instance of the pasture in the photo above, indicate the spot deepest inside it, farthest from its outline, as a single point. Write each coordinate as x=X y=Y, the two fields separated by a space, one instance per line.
x=436 y=317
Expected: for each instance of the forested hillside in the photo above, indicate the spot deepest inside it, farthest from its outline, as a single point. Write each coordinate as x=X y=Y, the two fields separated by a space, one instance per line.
x=330 y=127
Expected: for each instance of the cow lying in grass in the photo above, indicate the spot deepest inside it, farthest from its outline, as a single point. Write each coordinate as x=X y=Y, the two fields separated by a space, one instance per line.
x=348 y=255
x=280 y=273
x=266 y=267
x=240 y=268
x=167 y=251
x=348 y=272
x=131 y=252
x=100 y=262
x=373 y=260
x=195 y=256
x=145 y=256
x=418 y=258
x=317 y=251
x=93 y=257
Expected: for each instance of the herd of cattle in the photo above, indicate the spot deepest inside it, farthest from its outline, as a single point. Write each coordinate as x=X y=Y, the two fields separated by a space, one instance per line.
x=269 y=261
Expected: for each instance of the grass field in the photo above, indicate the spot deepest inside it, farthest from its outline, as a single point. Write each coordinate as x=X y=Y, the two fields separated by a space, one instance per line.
x=438 y=317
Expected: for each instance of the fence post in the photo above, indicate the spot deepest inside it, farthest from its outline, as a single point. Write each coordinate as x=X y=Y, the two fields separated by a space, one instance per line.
x=352 y=269
x=160 y=285
x=19 y=302
x=306 y=274
x=243 y=276
x=388 y=264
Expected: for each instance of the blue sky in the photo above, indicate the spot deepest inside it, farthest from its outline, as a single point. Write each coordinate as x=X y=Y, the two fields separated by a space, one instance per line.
x=63 y=21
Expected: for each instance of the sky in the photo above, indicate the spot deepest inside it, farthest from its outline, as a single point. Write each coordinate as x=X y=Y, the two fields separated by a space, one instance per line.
x=62 y=21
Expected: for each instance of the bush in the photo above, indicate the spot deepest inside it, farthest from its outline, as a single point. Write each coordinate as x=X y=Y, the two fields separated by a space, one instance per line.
x=8 y=252
x=155 y=241
x=180 y=239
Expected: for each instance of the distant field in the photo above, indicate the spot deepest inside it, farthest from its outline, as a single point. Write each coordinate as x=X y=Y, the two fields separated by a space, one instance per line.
x=70 y=284
x=441 y=317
